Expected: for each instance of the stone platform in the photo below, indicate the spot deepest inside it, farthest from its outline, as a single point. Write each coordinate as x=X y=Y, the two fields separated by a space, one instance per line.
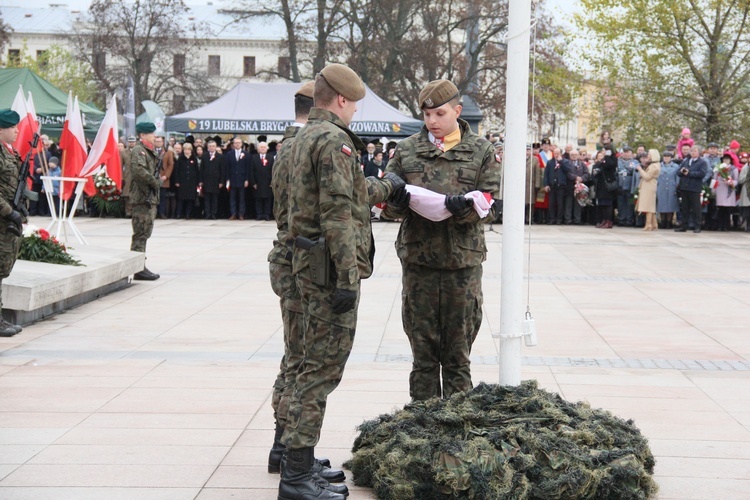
x=36 y=290
x=163 y=390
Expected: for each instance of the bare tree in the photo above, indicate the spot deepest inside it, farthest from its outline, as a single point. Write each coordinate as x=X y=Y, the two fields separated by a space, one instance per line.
x=147 y=41
x=5 y=31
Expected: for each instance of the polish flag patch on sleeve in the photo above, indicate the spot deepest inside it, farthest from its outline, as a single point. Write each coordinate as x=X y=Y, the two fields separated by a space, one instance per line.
x=346 y=150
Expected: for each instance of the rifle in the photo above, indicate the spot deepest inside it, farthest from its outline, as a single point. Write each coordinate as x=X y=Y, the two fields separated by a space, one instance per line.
x=19 y=199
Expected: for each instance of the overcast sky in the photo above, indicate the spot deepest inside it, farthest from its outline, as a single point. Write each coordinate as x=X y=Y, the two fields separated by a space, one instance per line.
x=566 y=7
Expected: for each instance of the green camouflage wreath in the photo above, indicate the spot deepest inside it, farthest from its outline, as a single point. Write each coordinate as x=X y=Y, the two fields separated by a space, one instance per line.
x=499 y=442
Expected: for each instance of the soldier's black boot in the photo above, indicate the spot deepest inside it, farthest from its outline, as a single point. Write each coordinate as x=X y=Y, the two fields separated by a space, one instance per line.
x=335 y=488
x=145 y=275
x=7 y=329
x=327 y=473
x=297 y=482
x=277 y=450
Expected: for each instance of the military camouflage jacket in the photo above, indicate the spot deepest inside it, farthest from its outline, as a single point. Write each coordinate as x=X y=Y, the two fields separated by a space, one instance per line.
x=330 y=197
x=457 y=242
x=281 y=253
x=144 y=183
x=9 y=165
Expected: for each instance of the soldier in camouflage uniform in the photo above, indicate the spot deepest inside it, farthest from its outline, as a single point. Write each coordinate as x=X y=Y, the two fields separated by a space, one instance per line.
x=442 y=261
x=10 y=243
x=144 y=192
x=329 y=199
x=283 y=285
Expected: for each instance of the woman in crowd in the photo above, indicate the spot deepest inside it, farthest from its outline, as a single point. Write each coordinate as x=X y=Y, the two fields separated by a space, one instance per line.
x=744 y=180
x=186 y=181
x=646 y=203
x=605 y=178
x=667 y=201
x=725 y=180
x=170 y=172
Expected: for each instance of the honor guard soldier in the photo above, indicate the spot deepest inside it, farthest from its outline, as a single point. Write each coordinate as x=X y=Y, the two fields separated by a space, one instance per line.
x=282 y=283
x=144 y=192
x=442 y=261
x=12 y=221
x=329 y=221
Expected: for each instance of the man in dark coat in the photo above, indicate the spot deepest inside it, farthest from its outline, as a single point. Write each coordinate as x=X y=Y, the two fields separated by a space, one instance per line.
x=237 y=165
x=261 y=169
x=212 y=177
x=555 y=181
x=692 y=171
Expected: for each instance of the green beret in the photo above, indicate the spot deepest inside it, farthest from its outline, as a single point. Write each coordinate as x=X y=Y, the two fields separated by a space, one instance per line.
x=144 y=128
x=436 y=93
x=345 y=81
x=306 y=90
x=8 y=118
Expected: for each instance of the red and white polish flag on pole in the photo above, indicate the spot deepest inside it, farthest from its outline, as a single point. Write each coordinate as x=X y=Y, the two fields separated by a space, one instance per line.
x=27 y=127
x=73 y=144
x=104 y=150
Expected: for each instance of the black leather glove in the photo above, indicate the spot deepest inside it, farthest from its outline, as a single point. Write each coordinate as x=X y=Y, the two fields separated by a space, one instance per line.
x=399 y=199
x=458 y=204
x=15 y=218
x=343 y=300
x=394 y=180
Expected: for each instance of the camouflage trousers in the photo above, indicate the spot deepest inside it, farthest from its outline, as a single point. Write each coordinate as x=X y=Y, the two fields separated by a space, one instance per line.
x=143 y=226
x=285 y=288
x=327 y=343
x=441 y=313
x=10 y=244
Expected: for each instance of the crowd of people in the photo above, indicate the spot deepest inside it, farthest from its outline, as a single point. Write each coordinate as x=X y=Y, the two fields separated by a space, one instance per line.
x=684 y=187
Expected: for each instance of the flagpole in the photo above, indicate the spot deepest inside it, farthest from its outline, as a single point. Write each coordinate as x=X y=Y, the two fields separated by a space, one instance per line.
x=516 y=123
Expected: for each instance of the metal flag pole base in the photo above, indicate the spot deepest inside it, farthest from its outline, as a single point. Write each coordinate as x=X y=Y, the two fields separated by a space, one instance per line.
x=61 y=219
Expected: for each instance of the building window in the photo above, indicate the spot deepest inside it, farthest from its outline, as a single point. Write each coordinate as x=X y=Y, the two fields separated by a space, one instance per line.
x=214 y=65
x=248 y=66
x=178 y=65
x=285 y=67
x=99 y=62
x=178 y=104
x=14 y=57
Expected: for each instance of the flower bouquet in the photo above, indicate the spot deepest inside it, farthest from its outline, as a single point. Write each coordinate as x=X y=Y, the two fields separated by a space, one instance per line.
x=634 y=196
x=107 y=198
x=706 y=195
x=724 y=172
x=582 y=194
x=37 y=245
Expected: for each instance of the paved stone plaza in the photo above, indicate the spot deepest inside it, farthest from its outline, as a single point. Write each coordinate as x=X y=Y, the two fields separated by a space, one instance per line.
x=162 y=391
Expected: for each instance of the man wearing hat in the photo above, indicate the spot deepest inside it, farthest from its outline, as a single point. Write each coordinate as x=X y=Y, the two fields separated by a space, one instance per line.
x=442 y=261
x=144 y=191
x=282 y=283
x=667 y=200
x=11 y=221
x=626 y=165
x=331 y=201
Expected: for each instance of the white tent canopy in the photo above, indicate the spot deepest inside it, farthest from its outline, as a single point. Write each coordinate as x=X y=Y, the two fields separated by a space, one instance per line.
x=268 y=108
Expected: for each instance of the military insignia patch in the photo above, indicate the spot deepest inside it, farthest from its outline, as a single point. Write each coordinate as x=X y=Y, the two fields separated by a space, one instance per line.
x=393 y=152
x=498 y=159
x=428 y=102
x=346 y=150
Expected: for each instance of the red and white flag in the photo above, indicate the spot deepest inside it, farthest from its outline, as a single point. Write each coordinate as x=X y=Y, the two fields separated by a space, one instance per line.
x=104 y=150
x=27 y=127
x=73 y=144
